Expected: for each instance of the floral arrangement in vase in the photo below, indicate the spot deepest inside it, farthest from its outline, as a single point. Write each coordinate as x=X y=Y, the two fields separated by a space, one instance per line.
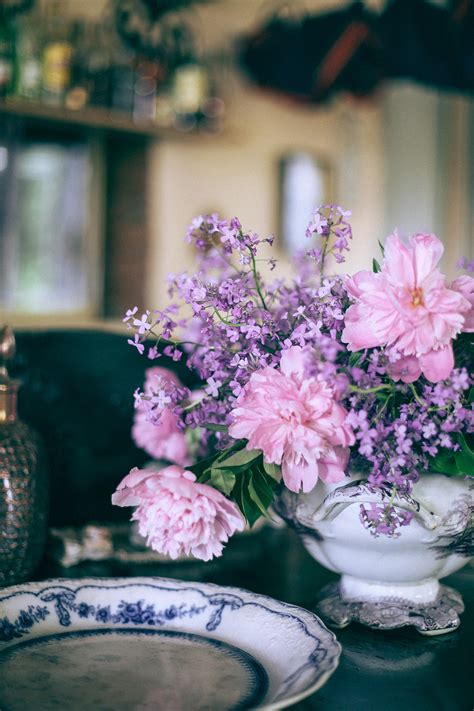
x=301 y=381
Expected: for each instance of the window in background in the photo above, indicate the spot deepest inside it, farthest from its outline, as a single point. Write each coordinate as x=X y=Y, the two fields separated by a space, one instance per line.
x=306 y=183
x=48 y=242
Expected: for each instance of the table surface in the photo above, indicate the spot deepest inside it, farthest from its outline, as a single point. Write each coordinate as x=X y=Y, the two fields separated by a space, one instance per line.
x=397 y=670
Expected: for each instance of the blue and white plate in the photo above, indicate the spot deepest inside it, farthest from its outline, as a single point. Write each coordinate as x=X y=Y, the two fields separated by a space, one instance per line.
x=154 y=643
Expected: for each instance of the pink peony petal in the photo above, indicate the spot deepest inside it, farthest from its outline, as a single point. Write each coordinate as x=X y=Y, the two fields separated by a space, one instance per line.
x=299 y=476
x=398 y=264
x=361 y=282
x=332 y=468
x=437 y=365
x=358 y=332
x=427 y=251
x=293 y=362
x=407 y=369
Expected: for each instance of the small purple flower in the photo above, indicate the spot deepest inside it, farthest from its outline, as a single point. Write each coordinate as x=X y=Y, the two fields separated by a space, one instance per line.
x=130 y=314
x=136 y=342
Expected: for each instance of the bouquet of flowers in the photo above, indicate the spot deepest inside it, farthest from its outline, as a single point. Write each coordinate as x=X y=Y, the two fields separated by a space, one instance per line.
x=298 y=380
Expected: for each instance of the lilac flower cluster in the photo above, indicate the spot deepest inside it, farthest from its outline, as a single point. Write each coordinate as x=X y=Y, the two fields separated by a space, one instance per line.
x=330 y=223
x=399 y=429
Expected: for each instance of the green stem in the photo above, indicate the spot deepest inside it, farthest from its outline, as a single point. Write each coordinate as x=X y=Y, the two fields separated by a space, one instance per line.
x=257 y=280
x=417 y=397
x=392 y=496
x=172 y=342
x=227 y=323
x=323 y=257
x=380 y=412
x=364 y=391
x=194 y=404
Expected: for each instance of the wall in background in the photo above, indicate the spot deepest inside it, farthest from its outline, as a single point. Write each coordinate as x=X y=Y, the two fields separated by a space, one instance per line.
x=237 y=173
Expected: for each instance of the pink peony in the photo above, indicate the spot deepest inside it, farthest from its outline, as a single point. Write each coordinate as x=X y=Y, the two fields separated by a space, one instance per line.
x=164 y=440
x=177 y=515
x=408 y=306
x=295 y=421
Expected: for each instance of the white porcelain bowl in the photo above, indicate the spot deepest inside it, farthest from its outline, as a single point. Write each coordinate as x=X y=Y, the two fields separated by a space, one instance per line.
x=377 y=569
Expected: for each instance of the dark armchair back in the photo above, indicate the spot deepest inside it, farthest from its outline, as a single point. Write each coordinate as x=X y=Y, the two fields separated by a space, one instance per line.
x=77 y=393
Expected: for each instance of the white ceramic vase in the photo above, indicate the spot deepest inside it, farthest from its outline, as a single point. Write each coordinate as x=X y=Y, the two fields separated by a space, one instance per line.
x=388 y=582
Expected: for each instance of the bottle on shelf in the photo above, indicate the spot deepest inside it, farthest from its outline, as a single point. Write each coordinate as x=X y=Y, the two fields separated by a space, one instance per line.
x=28 y=69
x=148 y=74
x=57 y=56
x=77 y=93
x=190 y=81
x=122 y=78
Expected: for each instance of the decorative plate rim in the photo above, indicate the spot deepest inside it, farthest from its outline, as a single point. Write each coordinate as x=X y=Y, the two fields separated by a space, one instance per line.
x=317 y=628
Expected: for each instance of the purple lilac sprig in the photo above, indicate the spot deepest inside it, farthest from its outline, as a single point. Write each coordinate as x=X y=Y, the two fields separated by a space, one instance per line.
x=400 y=429
x=329 y=223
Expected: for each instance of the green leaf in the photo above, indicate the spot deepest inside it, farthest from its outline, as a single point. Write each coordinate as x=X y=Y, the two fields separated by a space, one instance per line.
x=273 y=470
x=375 y=266
x=223 y=480
x=213 y=427
x=470 y=397
x=355 y=358
x=460 y=463
x=444 y=463
x=244 y=502
x=200 y=467
x=464 y=464
x=238 y=459
x=465 y=458
x=263 y=486
x=464 y=444
x=256 y=498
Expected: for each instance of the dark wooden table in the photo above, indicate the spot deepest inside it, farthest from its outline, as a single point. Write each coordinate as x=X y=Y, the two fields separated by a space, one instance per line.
x=397 y=670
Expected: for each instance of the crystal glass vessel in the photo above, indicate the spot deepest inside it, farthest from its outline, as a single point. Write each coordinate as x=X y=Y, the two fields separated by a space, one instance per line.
x=23 y=482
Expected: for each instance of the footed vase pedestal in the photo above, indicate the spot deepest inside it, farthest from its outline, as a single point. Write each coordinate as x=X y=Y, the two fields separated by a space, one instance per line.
x=387 y=582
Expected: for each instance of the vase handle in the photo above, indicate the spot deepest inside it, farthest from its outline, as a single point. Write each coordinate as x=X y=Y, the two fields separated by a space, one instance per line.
x=360 y=493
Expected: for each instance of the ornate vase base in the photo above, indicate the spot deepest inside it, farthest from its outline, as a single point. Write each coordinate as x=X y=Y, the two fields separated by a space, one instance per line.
x=437 y=617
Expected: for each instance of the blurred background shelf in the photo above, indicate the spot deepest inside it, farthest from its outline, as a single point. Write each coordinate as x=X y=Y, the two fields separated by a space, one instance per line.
x=93 y=118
